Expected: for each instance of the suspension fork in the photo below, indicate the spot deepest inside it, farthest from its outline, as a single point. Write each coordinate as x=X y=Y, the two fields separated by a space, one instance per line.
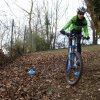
x=69 y=57
x=71 y=51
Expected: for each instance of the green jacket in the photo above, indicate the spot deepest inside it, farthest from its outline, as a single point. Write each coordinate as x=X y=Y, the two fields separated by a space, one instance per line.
x=77 y=24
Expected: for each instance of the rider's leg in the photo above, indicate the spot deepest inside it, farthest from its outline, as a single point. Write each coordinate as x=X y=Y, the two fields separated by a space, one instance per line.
x=78 y=45
x=70 y=41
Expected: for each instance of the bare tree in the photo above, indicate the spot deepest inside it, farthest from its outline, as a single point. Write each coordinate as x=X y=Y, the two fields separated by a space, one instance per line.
x=31 y=37
x=57 y=8
x=12 y=27
x=95 y=20
x=53 y=13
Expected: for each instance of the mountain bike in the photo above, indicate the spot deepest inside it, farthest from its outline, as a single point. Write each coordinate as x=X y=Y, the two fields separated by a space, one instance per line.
x=74 y=63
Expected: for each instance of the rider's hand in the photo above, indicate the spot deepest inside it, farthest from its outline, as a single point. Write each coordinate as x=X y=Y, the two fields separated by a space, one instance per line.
x=87 y=38
x=62 y=31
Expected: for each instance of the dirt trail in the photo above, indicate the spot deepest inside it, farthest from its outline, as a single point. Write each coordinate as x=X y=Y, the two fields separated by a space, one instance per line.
x=49 y=82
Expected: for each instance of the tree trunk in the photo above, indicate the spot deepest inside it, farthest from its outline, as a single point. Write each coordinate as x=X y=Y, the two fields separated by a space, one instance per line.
x=12 y=38
x=31 y=37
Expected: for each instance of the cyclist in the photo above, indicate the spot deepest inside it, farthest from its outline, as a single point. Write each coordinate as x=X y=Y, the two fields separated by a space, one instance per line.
x=77 y=24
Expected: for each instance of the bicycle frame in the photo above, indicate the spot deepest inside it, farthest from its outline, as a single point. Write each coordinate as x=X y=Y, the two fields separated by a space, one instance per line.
x=74 y=64
x=72 y=49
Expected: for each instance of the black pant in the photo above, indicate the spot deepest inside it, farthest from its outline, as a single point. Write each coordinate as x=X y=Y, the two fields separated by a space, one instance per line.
x=78 y=39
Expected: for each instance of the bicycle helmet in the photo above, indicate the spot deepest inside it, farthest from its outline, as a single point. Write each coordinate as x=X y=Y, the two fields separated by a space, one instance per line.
x=81 y=10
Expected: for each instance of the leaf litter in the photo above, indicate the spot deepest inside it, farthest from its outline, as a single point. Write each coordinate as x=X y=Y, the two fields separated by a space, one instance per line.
x=49 y=81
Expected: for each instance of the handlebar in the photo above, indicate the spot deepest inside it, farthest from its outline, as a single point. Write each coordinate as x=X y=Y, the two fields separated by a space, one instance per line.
x=73 y=35
x=70 y=35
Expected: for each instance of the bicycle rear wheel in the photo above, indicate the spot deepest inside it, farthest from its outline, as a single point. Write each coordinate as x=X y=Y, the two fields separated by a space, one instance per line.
x=74 y=73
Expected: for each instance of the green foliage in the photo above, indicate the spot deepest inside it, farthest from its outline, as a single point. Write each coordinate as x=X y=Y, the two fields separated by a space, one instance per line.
x=96 y=6
x=17 y=48
x=41 y=44
x=47 y=22
x=20 y=47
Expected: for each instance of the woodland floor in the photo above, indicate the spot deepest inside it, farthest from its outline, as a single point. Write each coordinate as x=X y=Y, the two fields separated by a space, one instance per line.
x=49 y=82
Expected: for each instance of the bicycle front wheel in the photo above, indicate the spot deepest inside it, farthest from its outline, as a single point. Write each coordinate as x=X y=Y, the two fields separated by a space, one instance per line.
x=74 y=73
